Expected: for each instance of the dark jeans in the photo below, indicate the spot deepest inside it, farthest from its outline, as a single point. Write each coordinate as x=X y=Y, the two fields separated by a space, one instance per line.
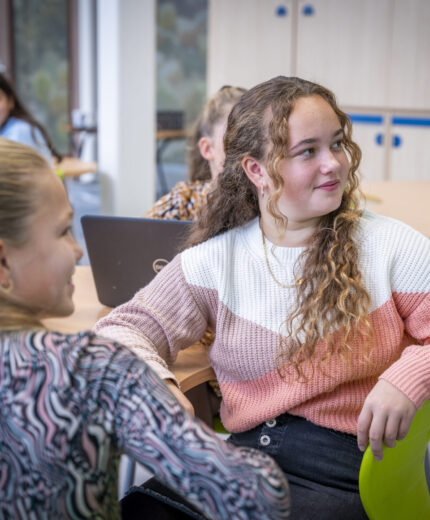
x=321 y=465
x=154 y=501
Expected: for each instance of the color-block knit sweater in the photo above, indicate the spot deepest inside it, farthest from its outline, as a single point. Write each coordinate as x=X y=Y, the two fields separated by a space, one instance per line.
x=225 y=283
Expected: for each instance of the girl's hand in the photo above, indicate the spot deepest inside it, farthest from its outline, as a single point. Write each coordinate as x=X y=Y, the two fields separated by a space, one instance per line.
x=183 y=401
x=386 y=416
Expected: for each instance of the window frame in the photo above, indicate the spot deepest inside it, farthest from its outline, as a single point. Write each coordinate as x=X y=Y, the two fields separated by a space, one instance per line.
x=7 y=51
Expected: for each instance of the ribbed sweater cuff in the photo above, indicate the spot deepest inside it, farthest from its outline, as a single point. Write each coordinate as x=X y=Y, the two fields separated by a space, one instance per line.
x=411 y=375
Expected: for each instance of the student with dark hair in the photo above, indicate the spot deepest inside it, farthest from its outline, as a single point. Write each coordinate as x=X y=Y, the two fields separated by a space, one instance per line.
x=17 y=124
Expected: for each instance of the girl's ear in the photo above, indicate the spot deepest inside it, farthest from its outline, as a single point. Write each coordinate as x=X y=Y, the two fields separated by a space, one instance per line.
x=255 y=171
x=205 y=147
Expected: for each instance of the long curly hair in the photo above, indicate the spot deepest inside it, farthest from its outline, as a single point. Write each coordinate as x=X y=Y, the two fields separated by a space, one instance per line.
x=330 y=291
x=215 y=109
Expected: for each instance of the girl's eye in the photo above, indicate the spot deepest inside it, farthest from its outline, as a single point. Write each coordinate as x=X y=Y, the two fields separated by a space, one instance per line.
x=308 y=152
x=67 y=230
x=338 y=144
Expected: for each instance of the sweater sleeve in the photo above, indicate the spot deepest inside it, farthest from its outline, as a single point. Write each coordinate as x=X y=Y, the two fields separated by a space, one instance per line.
x=161 y=319
x=222 y=481
x=411 y=295
x=411 y=373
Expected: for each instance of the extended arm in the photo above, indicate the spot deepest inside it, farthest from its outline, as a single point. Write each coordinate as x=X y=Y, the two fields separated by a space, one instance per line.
x=222 y=481
x=402 y=388
x=160 y=320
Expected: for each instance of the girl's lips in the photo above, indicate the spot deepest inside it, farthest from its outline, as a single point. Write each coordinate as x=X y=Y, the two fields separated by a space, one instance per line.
x=70 y=281
x=328 y=186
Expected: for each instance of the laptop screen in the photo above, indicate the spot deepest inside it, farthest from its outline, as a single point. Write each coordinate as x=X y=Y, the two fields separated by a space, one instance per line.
x=126 y=253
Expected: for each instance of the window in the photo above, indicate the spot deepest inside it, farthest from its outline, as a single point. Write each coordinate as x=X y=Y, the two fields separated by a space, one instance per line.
x=181 y=75
x=40 y=57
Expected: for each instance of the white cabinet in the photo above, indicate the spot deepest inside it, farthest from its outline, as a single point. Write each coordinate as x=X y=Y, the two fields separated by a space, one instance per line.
x=369 y=132
x=409 y=68
x=410 y=145
x=344 y=45
x=374 y=55
x=394 y=147
x=249 y=41
x=370 y=53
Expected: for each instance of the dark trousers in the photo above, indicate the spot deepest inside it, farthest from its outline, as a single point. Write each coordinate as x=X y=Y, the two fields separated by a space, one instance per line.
x=154 y=501
x=321 y=466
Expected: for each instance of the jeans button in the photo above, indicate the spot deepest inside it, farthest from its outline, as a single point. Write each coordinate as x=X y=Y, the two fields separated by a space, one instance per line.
x=271 y=423
x=265 y=440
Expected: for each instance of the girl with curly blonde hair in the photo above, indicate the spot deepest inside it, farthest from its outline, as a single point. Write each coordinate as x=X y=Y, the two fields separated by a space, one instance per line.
x=321 y=310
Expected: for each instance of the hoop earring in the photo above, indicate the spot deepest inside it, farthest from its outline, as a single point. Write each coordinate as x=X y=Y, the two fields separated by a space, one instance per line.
x=8 y=289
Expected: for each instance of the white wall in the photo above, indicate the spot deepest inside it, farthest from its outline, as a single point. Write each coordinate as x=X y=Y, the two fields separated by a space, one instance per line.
x=126 y=105
x=87 y=63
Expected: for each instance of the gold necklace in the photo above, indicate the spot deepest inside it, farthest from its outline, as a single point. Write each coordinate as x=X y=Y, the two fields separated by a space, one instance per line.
x=285 y=286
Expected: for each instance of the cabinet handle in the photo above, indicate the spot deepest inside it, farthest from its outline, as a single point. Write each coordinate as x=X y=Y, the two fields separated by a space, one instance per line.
x=281 y=10
x=397 y=141
x=308 y=10
x=379 y=139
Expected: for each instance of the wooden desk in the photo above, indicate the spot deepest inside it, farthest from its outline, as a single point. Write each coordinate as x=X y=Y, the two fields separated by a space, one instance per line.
x=407 y=201
x=74 y=167
x=191 y=367
x=171 y=134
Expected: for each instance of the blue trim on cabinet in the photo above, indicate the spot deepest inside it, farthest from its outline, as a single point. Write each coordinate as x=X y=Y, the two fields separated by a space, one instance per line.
x=370 y=119
x=410 y=121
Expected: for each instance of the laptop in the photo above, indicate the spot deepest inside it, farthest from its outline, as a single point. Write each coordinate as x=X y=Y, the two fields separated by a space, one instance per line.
x=126 y=253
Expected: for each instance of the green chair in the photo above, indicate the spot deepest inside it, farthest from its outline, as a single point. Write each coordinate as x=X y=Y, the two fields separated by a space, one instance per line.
x=397 y=488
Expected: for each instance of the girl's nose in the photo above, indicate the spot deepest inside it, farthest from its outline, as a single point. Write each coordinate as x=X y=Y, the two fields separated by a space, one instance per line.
x=79 y=252
x=329 y=163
